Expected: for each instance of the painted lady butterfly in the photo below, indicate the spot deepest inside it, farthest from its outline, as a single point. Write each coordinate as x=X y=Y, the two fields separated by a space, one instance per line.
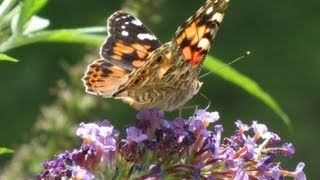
x=137 y=69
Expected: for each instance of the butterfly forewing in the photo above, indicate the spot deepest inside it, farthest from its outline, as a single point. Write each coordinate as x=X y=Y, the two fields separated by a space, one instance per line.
x=195 y=35
x=128 y=44
x=129 y=41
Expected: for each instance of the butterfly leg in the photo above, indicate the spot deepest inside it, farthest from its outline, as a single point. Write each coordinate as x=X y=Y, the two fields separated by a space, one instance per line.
x=188 y=107
x=195 y=110
x=206 y=97
x=180 y=112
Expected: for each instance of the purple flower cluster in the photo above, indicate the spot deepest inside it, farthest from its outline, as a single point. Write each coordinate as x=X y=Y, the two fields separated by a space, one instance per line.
x=98 y=150
x=181 y=149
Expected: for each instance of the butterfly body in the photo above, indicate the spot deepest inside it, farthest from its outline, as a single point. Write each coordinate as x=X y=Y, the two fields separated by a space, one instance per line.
x=137 y=69
x=158 y=84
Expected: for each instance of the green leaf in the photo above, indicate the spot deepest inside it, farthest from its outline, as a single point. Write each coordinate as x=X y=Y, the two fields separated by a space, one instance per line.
x=81 y=35
x=29 y=8
x=36 y=23
x=5 y=150
x=4 y=57
x=249 y=85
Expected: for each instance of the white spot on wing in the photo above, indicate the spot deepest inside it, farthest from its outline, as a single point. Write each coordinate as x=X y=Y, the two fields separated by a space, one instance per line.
x=204 y=43
x=124 y=33
x=217 y=17
x=136 y=22
x=146 y=36
x=209 y=10
x=123 y=27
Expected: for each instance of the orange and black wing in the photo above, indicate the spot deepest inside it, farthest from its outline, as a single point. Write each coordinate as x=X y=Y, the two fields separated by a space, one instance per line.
x=103 y=78
x=129 y=41
x=128 y=44
x=194 y=37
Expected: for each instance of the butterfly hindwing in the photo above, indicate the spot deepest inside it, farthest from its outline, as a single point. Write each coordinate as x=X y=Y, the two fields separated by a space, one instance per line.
x=103 y=78
x=195 y=35
x=129 y=41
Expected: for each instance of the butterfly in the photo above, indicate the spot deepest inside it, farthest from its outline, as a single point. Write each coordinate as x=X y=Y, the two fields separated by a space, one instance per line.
x=136 y=68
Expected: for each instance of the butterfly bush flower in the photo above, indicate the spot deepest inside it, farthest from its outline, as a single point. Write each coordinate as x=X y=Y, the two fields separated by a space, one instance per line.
x=155 y=148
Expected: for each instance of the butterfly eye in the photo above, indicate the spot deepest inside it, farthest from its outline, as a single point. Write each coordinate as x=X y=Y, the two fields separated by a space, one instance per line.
x=138 y=81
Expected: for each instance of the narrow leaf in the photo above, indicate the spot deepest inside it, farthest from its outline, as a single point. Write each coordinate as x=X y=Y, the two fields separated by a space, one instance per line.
x=29 y=8
x=5 y=150
x=249 y=85
x=4 y=57
x=36 y=23
x=81 y=35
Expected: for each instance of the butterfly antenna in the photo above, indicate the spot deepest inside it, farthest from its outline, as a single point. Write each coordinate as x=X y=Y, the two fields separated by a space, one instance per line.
x=248 y=53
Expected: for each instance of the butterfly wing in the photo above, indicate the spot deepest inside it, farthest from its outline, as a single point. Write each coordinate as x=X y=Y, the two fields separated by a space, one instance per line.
x=103 y=78
x=166 y=81
x=129 y=41
x=129 y=71
x=128 y=44
x=195 y=36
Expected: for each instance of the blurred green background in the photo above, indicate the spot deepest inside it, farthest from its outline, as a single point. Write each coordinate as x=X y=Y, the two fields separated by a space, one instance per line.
x=283 y=37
